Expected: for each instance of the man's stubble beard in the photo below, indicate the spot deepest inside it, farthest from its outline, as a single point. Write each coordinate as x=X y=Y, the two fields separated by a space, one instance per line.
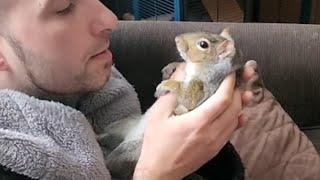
x=39 y=90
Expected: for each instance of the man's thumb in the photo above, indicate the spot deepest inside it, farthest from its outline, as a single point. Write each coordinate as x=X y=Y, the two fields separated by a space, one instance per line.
x=163 y=107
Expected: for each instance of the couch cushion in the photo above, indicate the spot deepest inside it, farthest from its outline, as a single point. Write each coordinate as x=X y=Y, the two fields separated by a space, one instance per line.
x=314 y=135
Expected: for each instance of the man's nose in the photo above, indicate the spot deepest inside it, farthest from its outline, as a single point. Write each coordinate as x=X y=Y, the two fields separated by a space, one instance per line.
x=104 y=21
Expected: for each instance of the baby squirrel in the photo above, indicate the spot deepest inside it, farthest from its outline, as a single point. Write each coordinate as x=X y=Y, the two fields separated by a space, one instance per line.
x=209 y=59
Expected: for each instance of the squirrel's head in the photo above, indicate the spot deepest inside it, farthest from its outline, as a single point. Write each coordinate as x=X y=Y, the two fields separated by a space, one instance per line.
x=200 y=47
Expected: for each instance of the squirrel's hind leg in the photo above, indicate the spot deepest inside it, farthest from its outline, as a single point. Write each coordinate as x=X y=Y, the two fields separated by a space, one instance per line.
x=180 y=109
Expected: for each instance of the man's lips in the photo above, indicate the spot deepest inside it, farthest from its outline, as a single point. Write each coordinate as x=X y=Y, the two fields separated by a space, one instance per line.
x=103 y=55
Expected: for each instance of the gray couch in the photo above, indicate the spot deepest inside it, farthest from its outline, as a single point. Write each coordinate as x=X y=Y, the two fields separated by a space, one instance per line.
x=288 y=56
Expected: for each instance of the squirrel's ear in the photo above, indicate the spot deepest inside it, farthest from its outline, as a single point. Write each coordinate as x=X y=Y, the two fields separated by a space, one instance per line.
x=226 y=49
x=226 y=34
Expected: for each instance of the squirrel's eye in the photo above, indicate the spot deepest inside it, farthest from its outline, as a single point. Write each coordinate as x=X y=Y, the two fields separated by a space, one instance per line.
x=203 y=44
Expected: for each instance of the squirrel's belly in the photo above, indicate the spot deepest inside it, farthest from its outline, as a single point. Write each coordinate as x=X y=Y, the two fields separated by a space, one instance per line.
x=191 y=72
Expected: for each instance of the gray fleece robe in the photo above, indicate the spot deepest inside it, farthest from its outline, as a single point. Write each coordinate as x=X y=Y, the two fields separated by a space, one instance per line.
x=50 y=140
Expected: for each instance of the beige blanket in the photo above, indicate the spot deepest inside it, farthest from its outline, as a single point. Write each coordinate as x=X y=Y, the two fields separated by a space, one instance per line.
x=271 y=145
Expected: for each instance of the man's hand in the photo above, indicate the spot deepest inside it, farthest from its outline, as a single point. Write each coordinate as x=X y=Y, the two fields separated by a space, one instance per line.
x=175 y=146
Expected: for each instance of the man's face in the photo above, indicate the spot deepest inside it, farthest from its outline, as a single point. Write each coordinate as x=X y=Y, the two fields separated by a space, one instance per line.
x=59 y=46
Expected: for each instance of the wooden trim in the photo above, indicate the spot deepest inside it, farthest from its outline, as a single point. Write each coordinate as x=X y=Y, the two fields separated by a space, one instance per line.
x=229 y=11
x=290 y=11
x=315 y=12
x=211 y=7
x=224 y=10
x=269 y=11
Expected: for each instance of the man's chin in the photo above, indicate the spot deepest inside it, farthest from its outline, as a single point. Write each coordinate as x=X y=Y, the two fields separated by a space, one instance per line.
x=101 y=84
x=104 y=83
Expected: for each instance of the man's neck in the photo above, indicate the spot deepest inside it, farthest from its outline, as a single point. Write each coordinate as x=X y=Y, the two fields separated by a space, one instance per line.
x=66 y=99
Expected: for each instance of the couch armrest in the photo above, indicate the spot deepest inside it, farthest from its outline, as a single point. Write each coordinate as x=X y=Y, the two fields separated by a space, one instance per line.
x=314 y=135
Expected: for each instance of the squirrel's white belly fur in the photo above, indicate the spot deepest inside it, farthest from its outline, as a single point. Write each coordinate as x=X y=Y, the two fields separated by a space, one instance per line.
x=191 y=72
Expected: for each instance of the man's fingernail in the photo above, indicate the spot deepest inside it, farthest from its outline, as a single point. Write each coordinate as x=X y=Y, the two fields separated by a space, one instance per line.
x=252 y=63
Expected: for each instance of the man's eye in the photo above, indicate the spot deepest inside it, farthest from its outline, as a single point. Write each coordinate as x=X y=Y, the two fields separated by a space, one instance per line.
x=67 y=10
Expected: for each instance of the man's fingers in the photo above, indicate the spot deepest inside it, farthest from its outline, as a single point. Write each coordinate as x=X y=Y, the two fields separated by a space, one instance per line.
x=166 y=104
x=246 y=97
x=179 y=73
x=242 y=121
x=217 y=103
x=248 y=73
x=224 y=126
x=163 y=107
x=250 y=68
x=252 y=63
x=231 y=114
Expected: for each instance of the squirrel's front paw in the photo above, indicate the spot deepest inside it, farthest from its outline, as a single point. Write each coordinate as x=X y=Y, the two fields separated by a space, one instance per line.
x=168 y=70
x=162 y=89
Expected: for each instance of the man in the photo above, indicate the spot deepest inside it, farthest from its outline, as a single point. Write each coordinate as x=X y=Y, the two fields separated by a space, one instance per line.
x=58 y=50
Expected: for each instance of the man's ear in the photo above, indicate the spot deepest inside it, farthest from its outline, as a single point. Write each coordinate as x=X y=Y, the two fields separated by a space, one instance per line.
x=3 y=63
x=226 y=49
